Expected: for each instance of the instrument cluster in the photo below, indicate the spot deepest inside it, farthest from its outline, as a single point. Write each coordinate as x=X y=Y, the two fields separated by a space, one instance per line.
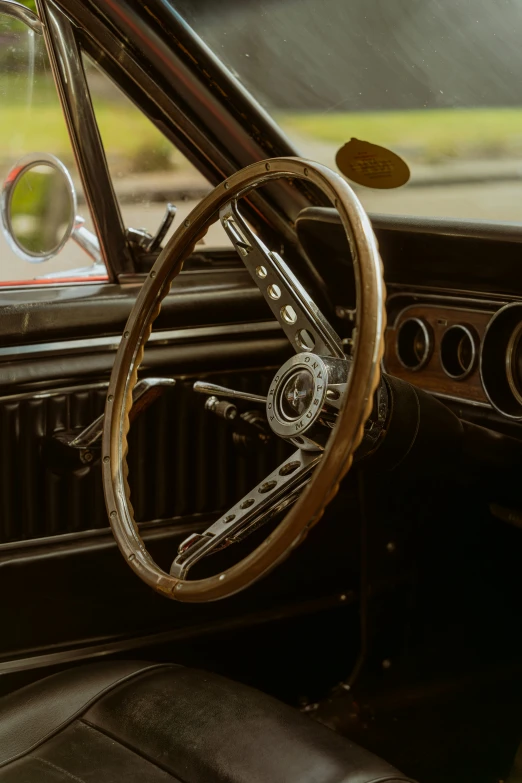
x=470 y=352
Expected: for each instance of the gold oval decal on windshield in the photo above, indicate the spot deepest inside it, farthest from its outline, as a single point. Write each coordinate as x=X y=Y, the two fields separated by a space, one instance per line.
x=370 y=165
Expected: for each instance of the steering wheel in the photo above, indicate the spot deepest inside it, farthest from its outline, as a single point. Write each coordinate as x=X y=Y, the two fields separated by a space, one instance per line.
x=319 y=400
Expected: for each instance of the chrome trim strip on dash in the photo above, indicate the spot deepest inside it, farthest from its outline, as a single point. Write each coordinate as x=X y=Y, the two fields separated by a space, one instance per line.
x=475 y=403
x=455 y=308
x=111 y=343
x=463 y=297
x=39 y=395
x=101 y=537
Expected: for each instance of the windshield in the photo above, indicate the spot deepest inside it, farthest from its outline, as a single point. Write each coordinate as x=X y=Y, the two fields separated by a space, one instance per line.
x=436 y=81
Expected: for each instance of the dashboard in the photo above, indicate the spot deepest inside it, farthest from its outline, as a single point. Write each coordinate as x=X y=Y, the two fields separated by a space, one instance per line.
x=454 y=303
x=467 y=351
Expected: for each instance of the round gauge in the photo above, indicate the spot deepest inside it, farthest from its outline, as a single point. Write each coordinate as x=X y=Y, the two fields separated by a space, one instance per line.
x=458 y=351
x=414 y=343
x=501 y=361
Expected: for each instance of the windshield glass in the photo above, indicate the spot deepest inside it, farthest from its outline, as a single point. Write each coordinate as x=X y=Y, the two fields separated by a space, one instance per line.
x=436 y=81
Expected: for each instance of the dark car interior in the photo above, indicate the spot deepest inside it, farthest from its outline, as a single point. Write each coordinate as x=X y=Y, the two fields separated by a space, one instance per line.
x=390 y=627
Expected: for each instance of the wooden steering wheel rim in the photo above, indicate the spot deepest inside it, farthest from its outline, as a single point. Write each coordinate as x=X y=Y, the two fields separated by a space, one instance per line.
x=347 y=433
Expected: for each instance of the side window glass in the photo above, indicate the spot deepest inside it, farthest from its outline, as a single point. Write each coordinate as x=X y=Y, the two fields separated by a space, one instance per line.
x=31 y=123
x=147 y=170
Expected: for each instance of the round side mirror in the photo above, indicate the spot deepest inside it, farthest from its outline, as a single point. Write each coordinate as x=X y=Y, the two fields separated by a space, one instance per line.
x=38 y=207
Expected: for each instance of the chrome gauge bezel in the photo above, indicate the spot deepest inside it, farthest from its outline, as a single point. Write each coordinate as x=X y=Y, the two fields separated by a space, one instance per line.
x=428 y=340
x=470 y=334
x=496 y=353
x=514 y=340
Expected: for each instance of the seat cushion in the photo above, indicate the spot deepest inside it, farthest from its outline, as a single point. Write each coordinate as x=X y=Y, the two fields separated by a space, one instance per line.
x=133 y=721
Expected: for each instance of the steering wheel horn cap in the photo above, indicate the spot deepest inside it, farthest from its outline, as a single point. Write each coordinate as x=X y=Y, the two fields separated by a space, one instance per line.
x=297 y=395
x=298 y=401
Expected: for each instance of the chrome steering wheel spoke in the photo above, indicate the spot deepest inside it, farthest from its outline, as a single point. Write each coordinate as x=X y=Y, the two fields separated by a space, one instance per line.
x=322 y=355
x=275 y=493
x=300 y=318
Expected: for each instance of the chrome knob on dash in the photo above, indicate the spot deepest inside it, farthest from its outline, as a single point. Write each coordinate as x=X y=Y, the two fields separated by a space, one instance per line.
x=227 y=410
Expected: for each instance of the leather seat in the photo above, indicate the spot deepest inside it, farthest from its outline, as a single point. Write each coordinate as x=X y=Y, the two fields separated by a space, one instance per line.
x=139 y=722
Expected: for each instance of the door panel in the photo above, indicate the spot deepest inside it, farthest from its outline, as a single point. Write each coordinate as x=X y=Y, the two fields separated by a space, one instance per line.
x=35 y=315
x=181 y=460
x=66 y=587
